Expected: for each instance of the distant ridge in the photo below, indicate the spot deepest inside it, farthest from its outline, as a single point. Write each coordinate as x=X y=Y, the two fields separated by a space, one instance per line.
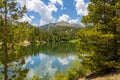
x=63 y=23
x=50 y=26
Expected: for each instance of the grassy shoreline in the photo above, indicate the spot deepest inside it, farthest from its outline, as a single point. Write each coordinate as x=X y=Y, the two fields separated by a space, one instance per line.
x=111 y=76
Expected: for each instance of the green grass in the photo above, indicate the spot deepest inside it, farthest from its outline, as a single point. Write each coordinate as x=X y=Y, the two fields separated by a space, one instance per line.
x=73 y=41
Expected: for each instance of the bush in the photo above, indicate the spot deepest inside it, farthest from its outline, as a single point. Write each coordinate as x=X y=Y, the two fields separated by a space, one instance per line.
x=60 y=76
x=74 y=72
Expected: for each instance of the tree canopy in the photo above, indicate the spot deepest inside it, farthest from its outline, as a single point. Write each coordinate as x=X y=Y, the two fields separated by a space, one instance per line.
x=99 y=42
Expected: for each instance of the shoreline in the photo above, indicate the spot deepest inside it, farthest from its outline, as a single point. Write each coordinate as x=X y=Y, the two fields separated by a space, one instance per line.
x=111 y=76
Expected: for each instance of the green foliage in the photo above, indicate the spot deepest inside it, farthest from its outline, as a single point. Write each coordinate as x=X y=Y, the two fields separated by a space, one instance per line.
x=57 y=34
x=15 y=62
x=60 y=76
x=35 y=78
x=12 y=34
x=74 y=72
x=99 y=44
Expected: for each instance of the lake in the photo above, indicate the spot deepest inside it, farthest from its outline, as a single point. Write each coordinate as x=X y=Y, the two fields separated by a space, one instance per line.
x=42 y=61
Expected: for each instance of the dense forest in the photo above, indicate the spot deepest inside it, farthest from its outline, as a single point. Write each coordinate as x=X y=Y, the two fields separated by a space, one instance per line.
x=56 y=34
x=98 y=42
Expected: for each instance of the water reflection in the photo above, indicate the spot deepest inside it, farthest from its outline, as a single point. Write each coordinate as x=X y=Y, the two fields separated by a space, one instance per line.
x=52 y=58
x=43 y=61
x=11 y=66
x=44 y=65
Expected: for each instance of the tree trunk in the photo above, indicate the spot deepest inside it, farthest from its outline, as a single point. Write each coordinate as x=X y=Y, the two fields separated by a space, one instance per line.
x=5 y=42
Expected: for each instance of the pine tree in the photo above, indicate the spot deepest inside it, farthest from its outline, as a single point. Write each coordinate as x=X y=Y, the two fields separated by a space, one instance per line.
x=11 y=31
x=101 y=41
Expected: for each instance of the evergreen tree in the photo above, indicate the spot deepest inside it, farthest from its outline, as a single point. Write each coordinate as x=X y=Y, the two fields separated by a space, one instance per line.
x=11 y=31
x=100 y=44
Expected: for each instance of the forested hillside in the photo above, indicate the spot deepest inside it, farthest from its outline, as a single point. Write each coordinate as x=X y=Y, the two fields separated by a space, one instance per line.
x=53 y=33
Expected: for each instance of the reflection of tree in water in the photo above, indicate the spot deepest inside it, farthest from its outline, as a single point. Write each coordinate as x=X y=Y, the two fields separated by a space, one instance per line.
x=12 y=66
x=58 y=49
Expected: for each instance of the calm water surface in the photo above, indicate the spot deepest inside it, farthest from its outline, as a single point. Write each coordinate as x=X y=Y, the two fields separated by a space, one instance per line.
x=43 y=61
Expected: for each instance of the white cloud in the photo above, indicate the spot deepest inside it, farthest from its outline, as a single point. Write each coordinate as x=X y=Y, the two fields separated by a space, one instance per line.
x=46 y=65
x=74 y=21
x=52 y=7
x=25 y=18
x=64 y=61
x=71 y=57
x=64 y=17
x=32 y=62
x=42 y=56
x=32 y=17
x=45 y=11
x=60 y=2
x=81 y=7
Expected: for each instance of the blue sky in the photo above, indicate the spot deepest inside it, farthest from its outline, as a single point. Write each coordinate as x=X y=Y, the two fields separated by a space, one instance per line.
x=40 y=12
